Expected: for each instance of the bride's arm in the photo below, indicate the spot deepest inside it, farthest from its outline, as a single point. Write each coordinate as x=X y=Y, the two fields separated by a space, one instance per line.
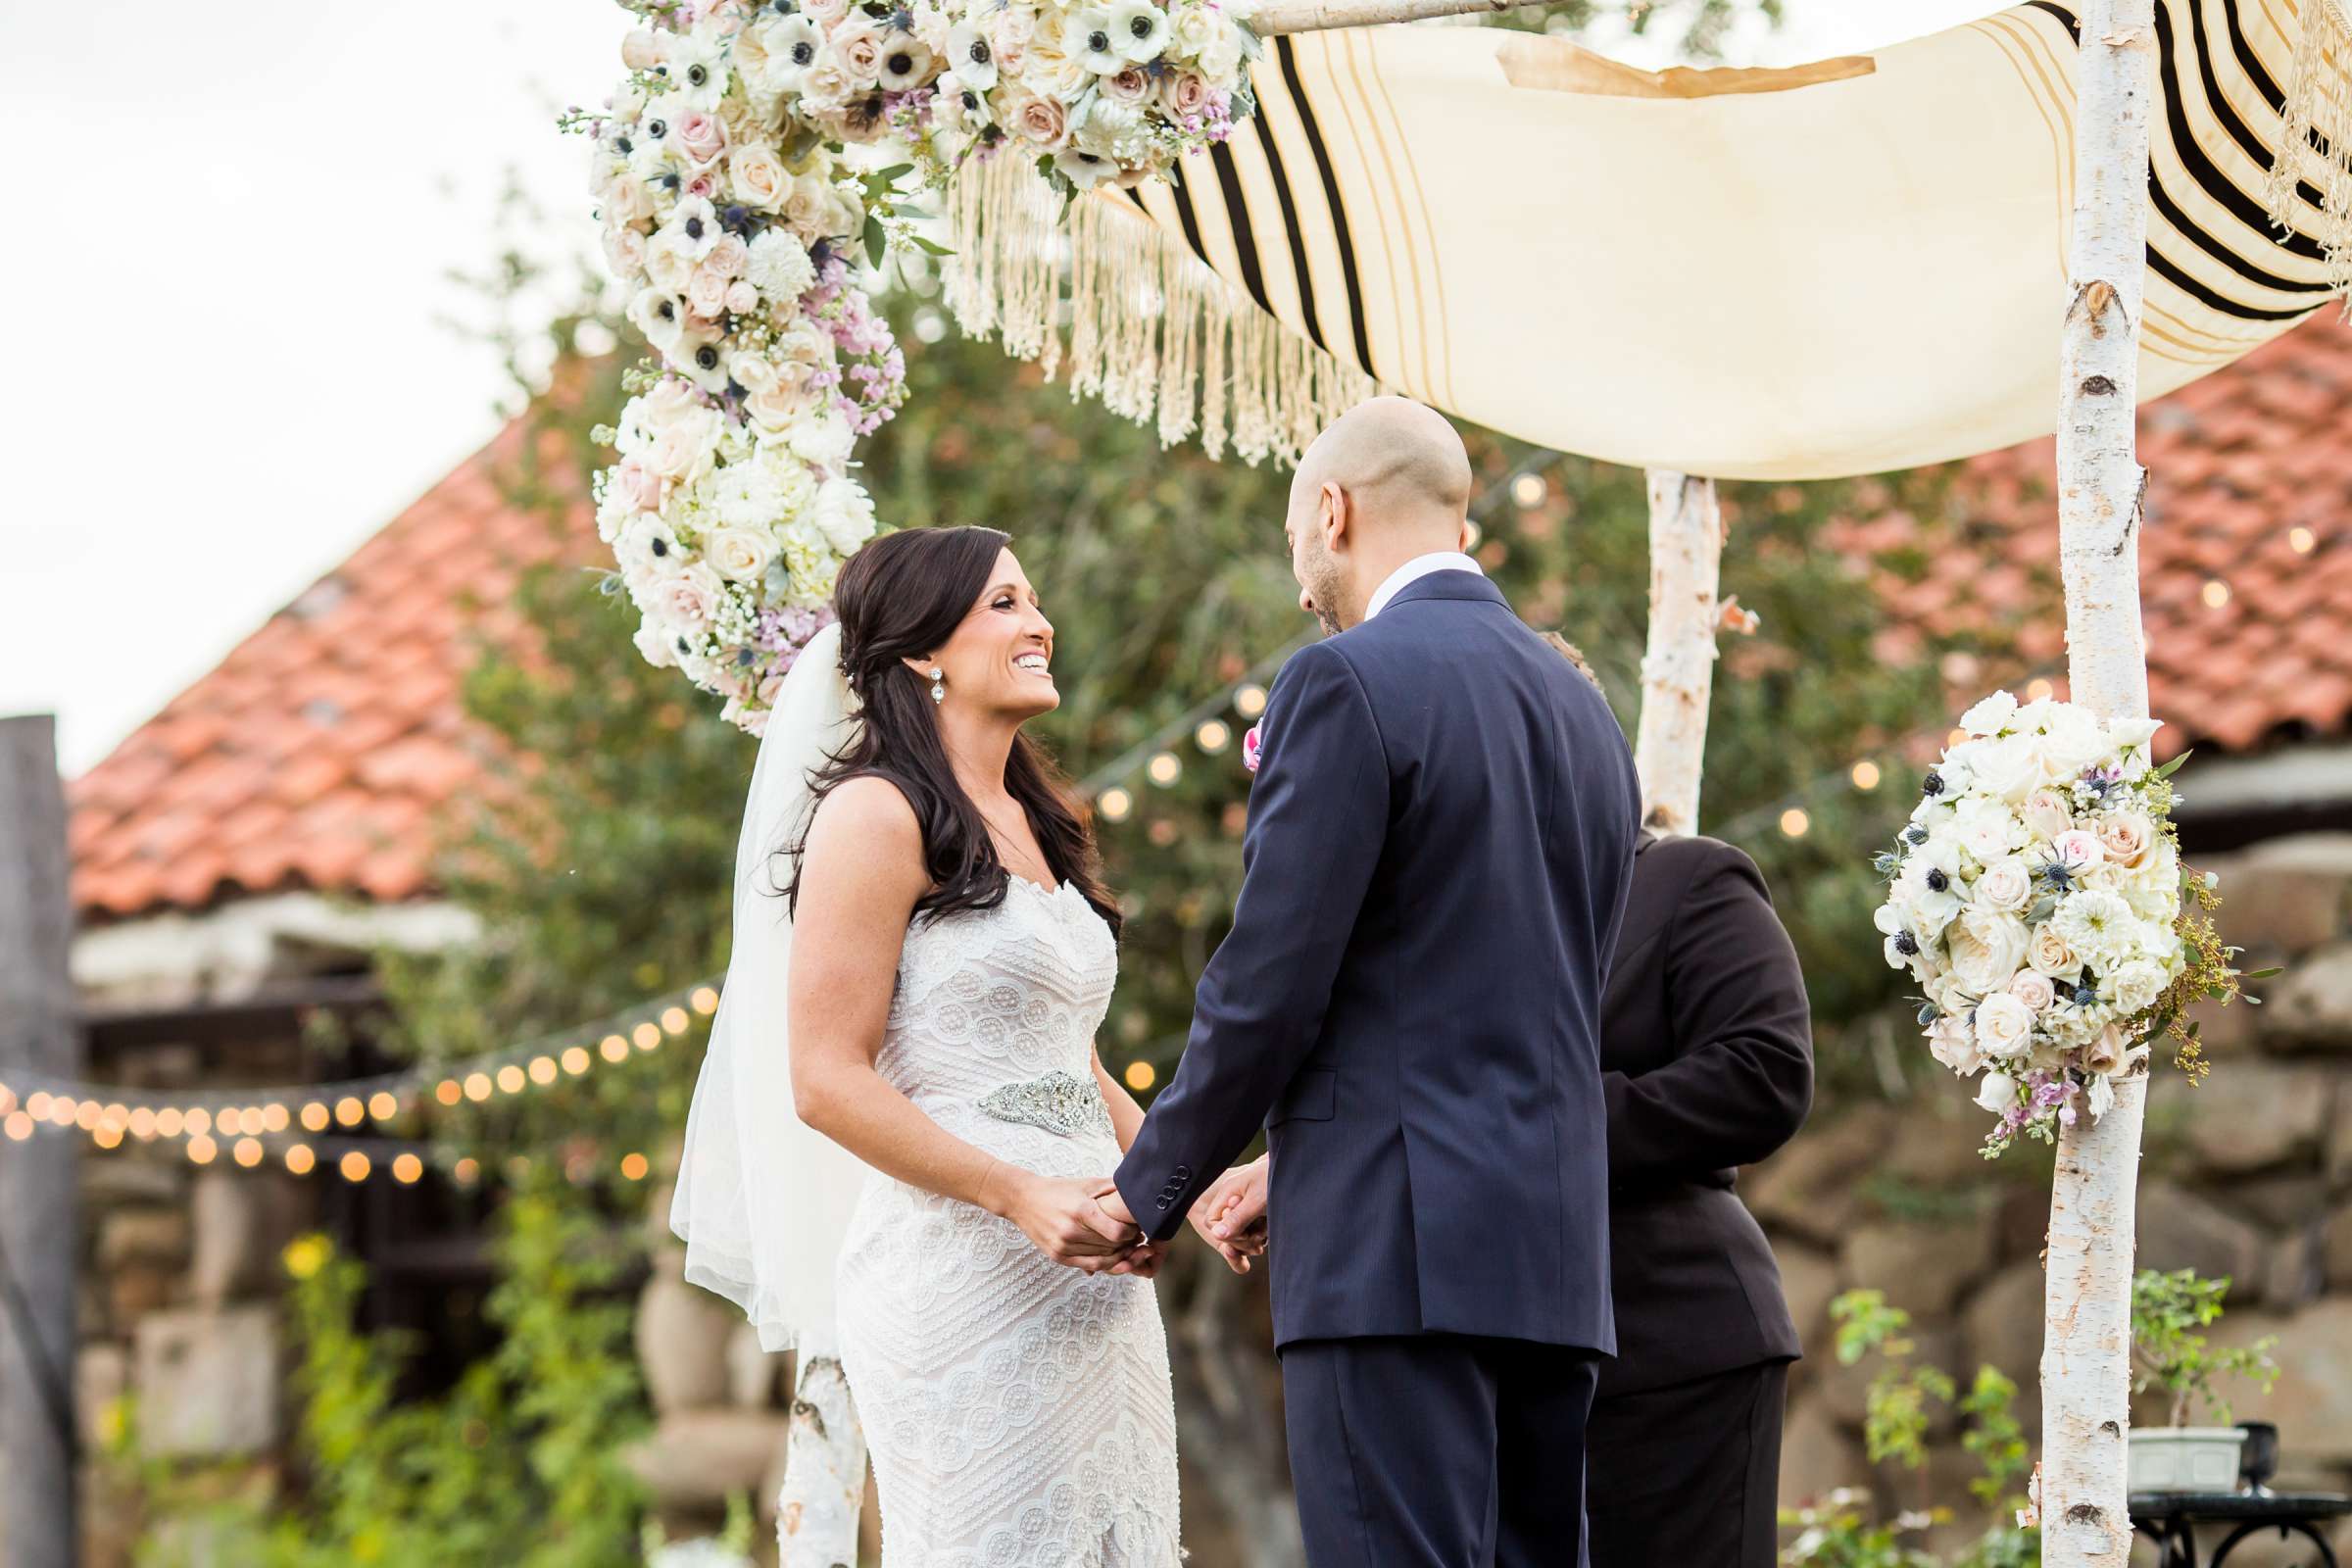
x=1126 y=1116
x=862 y=873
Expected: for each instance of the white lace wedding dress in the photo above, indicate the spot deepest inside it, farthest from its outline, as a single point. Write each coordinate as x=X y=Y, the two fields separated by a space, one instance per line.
x=1018 y=1411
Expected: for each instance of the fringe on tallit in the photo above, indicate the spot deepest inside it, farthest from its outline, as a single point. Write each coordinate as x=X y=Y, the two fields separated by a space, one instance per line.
x=1145 y=325
x=2315 y=143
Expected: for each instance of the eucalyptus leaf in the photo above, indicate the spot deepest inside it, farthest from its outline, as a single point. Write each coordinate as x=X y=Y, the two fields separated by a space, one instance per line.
x=877 y=242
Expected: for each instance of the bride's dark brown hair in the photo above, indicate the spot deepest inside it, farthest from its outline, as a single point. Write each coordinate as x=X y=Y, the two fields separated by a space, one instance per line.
x=902 y=597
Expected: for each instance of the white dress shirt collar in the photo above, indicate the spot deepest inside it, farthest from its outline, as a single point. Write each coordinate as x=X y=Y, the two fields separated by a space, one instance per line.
x=1414 y=571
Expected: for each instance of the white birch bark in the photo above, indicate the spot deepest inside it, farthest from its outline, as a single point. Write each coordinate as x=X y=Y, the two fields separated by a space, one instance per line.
x=1678 y=667
x=824 y=1471
x=2086 y=1332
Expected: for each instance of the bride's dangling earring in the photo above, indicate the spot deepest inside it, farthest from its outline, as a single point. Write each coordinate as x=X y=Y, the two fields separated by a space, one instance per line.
x=938 y=685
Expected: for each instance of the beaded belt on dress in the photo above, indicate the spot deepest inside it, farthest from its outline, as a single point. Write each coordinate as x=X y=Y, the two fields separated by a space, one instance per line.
x=1058 y=1103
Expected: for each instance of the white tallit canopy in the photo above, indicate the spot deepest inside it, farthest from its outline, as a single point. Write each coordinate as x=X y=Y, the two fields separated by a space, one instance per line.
x=1839 y=269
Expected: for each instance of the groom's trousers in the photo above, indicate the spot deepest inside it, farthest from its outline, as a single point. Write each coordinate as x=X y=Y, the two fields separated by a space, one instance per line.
x=1439 y=1450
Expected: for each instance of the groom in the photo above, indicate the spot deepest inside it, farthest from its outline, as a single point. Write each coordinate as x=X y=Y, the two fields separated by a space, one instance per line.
x=1441 y=838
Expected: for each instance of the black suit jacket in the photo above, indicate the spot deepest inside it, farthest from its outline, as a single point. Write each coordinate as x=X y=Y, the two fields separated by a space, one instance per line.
x=1440 y=836
x=1708 y=1045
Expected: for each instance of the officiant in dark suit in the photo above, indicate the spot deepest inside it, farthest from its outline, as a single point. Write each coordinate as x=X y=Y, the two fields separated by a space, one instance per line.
x=1706 y=1055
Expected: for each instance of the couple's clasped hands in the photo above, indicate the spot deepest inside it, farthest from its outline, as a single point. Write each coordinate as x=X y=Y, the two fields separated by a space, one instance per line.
x=1086 y=1225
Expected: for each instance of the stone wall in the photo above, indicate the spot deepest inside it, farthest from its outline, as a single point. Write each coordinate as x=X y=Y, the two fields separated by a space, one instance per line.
x=2248 y=1176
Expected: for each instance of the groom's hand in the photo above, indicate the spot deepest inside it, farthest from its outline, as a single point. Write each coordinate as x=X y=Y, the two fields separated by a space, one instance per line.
x=1231 y=1215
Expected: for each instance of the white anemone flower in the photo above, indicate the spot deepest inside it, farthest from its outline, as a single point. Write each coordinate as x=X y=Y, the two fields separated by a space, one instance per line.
x=971 y=57
x=696 y=70
x=692 y=226
x=794 y=48
x=1139 y=29
x=1093 y=43
x=1084 y=170
x=906 y=63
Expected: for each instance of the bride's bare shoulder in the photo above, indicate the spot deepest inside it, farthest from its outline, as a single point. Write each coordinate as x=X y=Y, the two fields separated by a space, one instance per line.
x=865 y=828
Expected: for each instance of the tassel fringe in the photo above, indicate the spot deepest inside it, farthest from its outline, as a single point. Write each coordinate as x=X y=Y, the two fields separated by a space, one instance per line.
x=1151 y=330
x=2315 y=144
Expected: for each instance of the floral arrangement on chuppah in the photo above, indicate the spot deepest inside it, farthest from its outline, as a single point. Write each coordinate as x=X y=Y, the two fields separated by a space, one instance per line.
x=2037 y=896
x=730 y=171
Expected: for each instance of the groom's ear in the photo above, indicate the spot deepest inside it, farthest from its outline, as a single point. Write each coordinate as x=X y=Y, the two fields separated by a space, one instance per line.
x=1336 y=515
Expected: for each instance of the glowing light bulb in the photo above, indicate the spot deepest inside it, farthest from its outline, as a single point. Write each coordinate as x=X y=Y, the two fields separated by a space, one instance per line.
x=142 y=1124
x=199 y=1122
x=449 y=1091
x=543 y=1070
x=17 y=1126
x=645 y=1036
x=248 y=1152
x=1795 y=822
x=201 y=1150
x=2215 y=592
x=2301 y=541
x=633 y=1166
x=1529 y=490
x=106 y=1137
x=1249 y=701
x=1866 y=775
x=1115 y=803
x=62 y=1111
x=168 y=1122
x=1213 y=736
x=674 y=1020
x=298 y=1158
x=384 y=1105
x=468 y=1171
x=406 y=1168
x=2038 y=689
x=86 y=1115
x=705 y=1000
x=614 y=1048
x=349 y=1111
x=478 y=1087
x=575 y=1059
x=315 y=1116
x=275 y=1118
x=509 y=1079
x=354 y=1166
x=1140 y=1075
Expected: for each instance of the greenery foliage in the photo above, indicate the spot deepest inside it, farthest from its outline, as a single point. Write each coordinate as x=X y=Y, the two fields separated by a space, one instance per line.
x=2170 y=1352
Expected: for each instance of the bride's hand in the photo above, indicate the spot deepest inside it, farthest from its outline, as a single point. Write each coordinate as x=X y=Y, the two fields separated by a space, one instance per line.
x=1061 y=1218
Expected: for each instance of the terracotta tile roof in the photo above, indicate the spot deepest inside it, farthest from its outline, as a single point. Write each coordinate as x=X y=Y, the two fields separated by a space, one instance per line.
x=322 y=751
x=2246 y=632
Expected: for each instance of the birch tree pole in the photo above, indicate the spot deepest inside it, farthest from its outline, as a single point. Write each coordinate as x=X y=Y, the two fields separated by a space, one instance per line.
x=824 y=1470
x=1678 y=667
x=2086 y=1331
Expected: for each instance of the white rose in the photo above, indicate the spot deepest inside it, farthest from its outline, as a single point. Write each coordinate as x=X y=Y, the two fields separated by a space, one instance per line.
x=2005 y=885
x=1986 y=949
x=1996 y=1093
x=1953 y=1044
x=758 y=177
x=2069 y=740
x=2034 y=988
x=1194 y=28
x=657 y=644
x=1991 y=715
x=824 y=440
x=754 y=373
x=2010 y=768
x=2004 y=1026
x=740 y=555
x=1987 y=829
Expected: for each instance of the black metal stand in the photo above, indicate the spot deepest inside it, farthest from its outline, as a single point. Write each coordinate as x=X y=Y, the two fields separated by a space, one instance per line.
x=2169 y=1519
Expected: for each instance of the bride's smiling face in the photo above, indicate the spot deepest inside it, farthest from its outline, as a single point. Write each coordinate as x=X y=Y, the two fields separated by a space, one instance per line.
x=999 y=661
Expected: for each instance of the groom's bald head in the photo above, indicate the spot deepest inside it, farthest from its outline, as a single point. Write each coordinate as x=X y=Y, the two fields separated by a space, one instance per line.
x=1387 y=481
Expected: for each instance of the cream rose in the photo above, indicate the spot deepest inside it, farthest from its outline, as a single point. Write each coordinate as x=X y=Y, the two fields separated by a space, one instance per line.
x=707 y=292
x=2047 y=950
x=625 y=251
x=2125 y=836
x=688 y=597
x=751 y=372
x=740 y=555
x=1185 y=93
x=2106 y=1050
x=635 y=482
x=857 y=50
x=774 y=410
x=2135 y=983
x=2004 y=1026
x=756 y=178
x=2046 y=813
x=1996 y=1093
x=824 y=12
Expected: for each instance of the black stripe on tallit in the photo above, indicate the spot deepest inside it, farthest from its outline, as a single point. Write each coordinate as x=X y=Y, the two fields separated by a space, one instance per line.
x=1190 y=219
x=1286 y=59
x=2157 y=262
x=1237 y=217
x=2260 y=79
x=2209 y=178
x=1290 y=228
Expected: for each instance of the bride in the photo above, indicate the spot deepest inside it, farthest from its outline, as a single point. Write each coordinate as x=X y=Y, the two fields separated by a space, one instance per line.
x=919 y=906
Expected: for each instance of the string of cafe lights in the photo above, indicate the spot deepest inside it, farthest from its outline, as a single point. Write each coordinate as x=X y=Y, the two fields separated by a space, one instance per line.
x=317 y=1127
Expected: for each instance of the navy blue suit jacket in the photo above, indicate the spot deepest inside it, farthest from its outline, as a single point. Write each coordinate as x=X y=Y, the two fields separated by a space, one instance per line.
x=1441 y=840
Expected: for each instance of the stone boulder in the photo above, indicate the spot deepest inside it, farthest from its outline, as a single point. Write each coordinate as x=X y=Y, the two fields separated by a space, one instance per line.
x=1808 y=1279
x=2003 y=1326
x=699 y=1459
x=242 y=1221
x=2310 y=1007
x=2178 y=1229
x=682 y=1334
x=208 y=1382
x=1811 y=1188
x=2271 y=903
x=2255 y=1115
x=2335 y=1250
x=1818 y=1455
x=1924 y=1267
x=2312 y=1402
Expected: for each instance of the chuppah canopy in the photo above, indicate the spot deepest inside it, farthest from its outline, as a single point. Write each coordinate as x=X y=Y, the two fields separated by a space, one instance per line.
x=1844 y=268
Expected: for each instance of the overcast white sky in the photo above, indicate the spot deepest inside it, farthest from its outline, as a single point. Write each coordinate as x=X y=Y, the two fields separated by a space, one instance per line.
x=230 y=364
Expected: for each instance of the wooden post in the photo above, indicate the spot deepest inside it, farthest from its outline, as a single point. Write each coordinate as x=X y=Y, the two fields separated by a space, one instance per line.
x=1677 y=669
x=824 y=1470
x=2086 y=1331
x=38 y=1223
x=1320 y=16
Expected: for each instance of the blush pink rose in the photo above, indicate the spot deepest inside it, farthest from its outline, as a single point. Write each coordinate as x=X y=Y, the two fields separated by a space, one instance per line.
x=641 y=50
x=731 y=257
x=858 y=52
x=701 y=134
x=707 y=292
x=2126 y=837
x=1042 y=121
x=2078 y=849
x=1129 y=87
x=704 y=185
x=742 y=298
x=1252 y=748
x=824 y=12
x=1186 y=94
x=624 y=252
x=638 y=484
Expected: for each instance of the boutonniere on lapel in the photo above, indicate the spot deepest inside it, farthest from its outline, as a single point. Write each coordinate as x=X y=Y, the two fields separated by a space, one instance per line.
x=1251 y=749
